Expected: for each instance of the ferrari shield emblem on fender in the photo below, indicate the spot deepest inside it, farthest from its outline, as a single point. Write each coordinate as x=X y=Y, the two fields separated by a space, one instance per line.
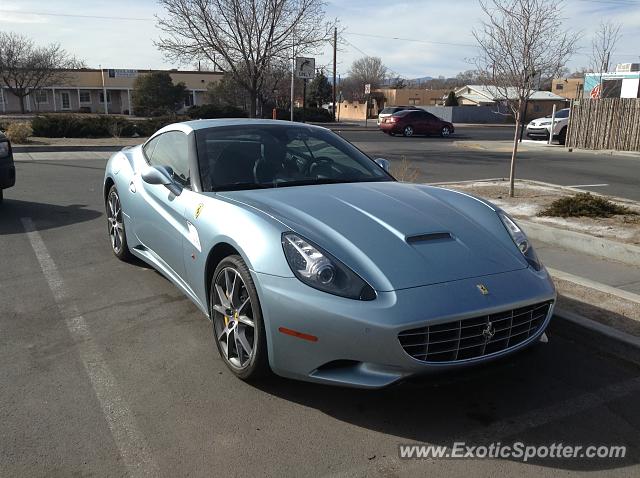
x=483 y=289
x=199 y=210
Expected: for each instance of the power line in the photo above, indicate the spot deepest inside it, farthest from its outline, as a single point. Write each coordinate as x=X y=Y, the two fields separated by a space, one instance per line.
x=53 y=14
x=409 y=39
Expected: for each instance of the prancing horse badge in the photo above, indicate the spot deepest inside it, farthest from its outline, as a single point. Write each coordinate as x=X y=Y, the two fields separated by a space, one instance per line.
x=483 y=289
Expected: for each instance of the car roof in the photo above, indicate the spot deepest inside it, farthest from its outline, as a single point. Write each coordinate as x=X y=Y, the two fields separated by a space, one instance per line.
x=195 y=125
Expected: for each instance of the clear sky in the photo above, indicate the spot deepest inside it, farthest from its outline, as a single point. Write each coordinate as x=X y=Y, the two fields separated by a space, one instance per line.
x=443 y=30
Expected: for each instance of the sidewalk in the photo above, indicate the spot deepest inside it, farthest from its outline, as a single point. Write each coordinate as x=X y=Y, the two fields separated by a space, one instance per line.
x=604 y=291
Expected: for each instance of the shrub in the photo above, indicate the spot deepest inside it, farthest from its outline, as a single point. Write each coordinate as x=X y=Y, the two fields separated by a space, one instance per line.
x=19 y=132
x=150 y=126
x=215 y=111
x=404 y=171
x=584 y=204
x=312 y=115
x=77 y=126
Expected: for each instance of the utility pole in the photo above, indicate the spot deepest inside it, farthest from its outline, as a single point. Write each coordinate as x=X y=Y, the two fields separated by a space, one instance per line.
x=293 y=68
x=304 y=99
x=104 y=92
x=335 y=63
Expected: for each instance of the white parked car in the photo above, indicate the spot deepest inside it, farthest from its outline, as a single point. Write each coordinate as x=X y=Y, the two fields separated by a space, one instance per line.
x=541 y=128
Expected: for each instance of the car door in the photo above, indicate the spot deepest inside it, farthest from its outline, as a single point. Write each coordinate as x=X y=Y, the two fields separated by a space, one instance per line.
x=161 y=225
x=422 y=122
x=431 y=123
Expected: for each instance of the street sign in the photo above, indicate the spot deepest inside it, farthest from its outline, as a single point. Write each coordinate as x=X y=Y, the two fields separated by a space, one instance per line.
x=367 y=89
x=305 y=68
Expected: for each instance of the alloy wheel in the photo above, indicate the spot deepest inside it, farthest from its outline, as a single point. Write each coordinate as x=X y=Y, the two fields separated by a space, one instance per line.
x=408 y=131
x=233 y=321
x=445 y=132
x=114 y=218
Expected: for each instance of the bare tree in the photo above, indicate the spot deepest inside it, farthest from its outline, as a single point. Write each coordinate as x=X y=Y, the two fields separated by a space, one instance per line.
x=519 y=42
x=603 y=45
x=368 y=70
x=243 y=38
x=26 y=67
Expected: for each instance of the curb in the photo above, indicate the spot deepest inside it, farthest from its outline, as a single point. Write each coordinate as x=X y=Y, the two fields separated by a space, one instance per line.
x=606 y=339
x=577 y=241
x=589 y=284
x=66 y=149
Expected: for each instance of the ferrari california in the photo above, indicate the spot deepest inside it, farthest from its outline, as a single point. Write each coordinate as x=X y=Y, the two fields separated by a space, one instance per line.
x=313 y=262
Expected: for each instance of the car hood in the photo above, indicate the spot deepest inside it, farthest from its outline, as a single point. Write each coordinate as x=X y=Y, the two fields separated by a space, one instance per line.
x=394 y=235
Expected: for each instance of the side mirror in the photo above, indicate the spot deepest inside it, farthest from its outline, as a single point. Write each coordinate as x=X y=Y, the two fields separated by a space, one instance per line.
x=157 y=175
x=162 y=175
x=383 y=163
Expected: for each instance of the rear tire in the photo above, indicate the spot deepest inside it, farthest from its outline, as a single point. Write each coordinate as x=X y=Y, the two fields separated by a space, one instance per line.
x=408 y=131
x=236 y=317
x=115 y=226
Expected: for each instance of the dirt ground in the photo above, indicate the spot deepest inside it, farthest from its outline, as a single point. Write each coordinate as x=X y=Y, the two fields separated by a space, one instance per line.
x=532 y=197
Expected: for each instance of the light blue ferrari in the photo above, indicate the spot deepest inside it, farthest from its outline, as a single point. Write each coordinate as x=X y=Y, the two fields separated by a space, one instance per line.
x=311 y=261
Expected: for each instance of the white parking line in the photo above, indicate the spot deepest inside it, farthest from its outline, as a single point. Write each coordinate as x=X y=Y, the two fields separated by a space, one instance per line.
x=587 y=186
x=130 y=442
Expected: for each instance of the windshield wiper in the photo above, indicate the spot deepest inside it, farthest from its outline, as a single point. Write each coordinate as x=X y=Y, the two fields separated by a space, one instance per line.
x=241 y=186
x=311 y=182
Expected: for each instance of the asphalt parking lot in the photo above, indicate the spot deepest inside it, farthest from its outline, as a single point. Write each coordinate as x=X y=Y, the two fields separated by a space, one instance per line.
x=108 y=370
x=440 y=159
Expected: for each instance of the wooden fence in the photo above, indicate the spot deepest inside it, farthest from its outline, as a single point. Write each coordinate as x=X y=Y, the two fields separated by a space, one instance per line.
x=608 y=123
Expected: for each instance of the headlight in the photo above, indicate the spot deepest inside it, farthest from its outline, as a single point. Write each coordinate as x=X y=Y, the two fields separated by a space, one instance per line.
x=320 y=270
x=545 y=123
x=4 y=149
x=521 y=241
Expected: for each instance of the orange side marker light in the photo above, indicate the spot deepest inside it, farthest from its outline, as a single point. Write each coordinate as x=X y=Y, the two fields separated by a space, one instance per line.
x=299 y=335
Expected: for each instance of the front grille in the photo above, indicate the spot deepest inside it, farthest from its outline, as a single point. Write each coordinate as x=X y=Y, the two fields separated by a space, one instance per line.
x=474 y=337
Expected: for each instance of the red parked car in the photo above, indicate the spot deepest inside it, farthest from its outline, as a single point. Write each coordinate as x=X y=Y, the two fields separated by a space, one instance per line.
x=410 y=122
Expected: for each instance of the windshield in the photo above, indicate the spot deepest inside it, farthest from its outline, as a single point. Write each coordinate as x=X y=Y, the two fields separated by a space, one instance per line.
x=388 y=111
x=268 y=156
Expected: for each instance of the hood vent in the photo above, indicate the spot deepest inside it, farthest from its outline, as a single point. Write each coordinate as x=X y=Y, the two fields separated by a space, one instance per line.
x=430 y=237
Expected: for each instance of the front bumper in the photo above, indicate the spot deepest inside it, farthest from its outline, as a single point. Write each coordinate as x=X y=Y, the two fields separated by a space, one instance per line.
x=538 y=132
x=357 y=342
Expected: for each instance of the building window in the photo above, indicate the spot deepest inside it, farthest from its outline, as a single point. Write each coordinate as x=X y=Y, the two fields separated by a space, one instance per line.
x=85 y=97
x=102 y=97
x=559 y=86
x=41 y=97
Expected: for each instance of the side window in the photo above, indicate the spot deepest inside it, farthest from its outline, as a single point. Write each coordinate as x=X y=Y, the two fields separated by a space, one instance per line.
x=172 y=151
x=150 y=146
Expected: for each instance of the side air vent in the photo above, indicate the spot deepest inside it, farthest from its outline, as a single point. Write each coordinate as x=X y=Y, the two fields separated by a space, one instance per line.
x=431 y=237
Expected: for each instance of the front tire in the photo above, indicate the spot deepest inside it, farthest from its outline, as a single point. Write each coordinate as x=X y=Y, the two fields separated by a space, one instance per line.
x=445 y=132
x=115 y=225
x=562 y=137
x=238 y=328
x=408 y=131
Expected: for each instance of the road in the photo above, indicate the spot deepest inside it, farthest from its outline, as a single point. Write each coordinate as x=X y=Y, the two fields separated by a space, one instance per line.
x=440 y=159
x=108 y=370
